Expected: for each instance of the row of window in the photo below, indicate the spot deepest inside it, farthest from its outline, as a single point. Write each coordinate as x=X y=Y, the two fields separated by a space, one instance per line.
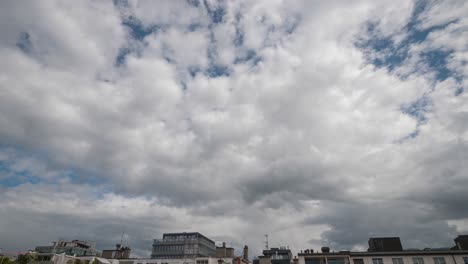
x=174 y=249
x=157 y=263
x=416 y=260
x=329 y=261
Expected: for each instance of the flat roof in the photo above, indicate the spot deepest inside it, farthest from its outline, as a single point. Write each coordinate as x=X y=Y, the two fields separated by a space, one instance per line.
x=384 y=238
x=187 y=233
x=390 y=253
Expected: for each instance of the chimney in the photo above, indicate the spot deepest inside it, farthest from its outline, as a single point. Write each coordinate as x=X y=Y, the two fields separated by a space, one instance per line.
x=295 y=260
x=246 y=253
x=126 y=253
x=224 y=244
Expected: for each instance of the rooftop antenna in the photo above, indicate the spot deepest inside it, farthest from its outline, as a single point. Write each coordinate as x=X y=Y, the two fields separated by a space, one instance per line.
x=121 y=238
x=266 y=242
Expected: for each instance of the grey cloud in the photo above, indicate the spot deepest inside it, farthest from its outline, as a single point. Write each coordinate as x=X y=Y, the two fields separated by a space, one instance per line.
x=351 y=224
x=307 y=140
x=302 y=178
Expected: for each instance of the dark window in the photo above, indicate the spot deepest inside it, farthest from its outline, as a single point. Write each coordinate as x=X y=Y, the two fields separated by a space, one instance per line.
x=312 y=261
x=377 y=261
x=358 y=261
x=397 y=260
x=336 y=261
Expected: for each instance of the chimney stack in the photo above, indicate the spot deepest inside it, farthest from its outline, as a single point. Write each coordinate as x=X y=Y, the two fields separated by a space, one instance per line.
x=295 y=260
x=325 y=250
x=246 y=253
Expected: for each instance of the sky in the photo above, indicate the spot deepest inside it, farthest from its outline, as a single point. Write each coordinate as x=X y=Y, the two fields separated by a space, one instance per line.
x=319 y=123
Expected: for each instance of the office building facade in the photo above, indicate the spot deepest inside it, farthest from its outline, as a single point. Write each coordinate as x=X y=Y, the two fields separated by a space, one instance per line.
x=183 y=245
x=71 y=248
x=386 y=251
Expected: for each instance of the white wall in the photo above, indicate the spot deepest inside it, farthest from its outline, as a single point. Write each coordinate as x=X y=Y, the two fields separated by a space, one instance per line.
x=428 y=259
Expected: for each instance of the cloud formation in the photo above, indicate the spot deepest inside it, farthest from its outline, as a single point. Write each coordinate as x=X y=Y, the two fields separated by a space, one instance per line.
x=315 y=122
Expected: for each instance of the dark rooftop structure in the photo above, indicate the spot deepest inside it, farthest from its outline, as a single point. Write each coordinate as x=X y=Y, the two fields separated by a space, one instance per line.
x=183 y=245
x=461 y=242
x=281 y=255
x=383 y=247
x=224 y=252
x=385 y=244
x=119 y=252
x=72 y=248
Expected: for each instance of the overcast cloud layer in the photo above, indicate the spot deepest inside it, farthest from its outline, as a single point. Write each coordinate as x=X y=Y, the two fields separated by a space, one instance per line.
x=316 y=122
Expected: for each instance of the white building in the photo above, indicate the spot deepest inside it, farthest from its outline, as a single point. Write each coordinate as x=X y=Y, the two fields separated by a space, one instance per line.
x=400 y=257
x=199 y=260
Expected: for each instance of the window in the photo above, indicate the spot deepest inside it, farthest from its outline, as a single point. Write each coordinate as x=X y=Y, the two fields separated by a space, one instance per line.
x=439 y=260
x=335 y=261
x=465 y=259
x=398 y=260
x=312 y=261
x=418 y=261
x=377 y=261
x=202 y=261
x=358 y=261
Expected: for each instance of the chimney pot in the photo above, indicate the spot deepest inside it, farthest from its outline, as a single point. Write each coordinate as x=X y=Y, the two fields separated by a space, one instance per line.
x=246 y=253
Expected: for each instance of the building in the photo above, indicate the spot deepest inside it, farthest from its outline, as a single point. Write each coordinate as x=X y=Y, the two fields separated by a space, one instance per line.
x=199 y=260
x=224 y=252
x=385 y=251
x=119 y=252
x=281 y=255
x=384 y=244
x=461 y=242
x=71 y=248
x=183 y=245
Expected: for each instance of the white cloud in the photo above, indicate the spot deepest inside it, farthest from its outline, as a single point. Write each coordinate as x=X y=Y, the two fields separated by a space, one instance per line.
x=311 y=129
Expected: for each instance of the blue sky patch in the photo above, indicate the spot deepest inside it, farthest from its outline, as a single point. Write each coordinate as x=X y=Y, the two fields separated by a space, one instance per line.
x=292 y=23
x=437 y=62
x=11 y=177
x=194 y=70
x=24 y=42
x=418 y=108
x=194 y=27
x=195 y=3
x=120 y=59
x=411 y=135
x=382 y=51
x=239 y=38
x=250 y=56
x=217 y=70
x=216 y=15
x=138 y=30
